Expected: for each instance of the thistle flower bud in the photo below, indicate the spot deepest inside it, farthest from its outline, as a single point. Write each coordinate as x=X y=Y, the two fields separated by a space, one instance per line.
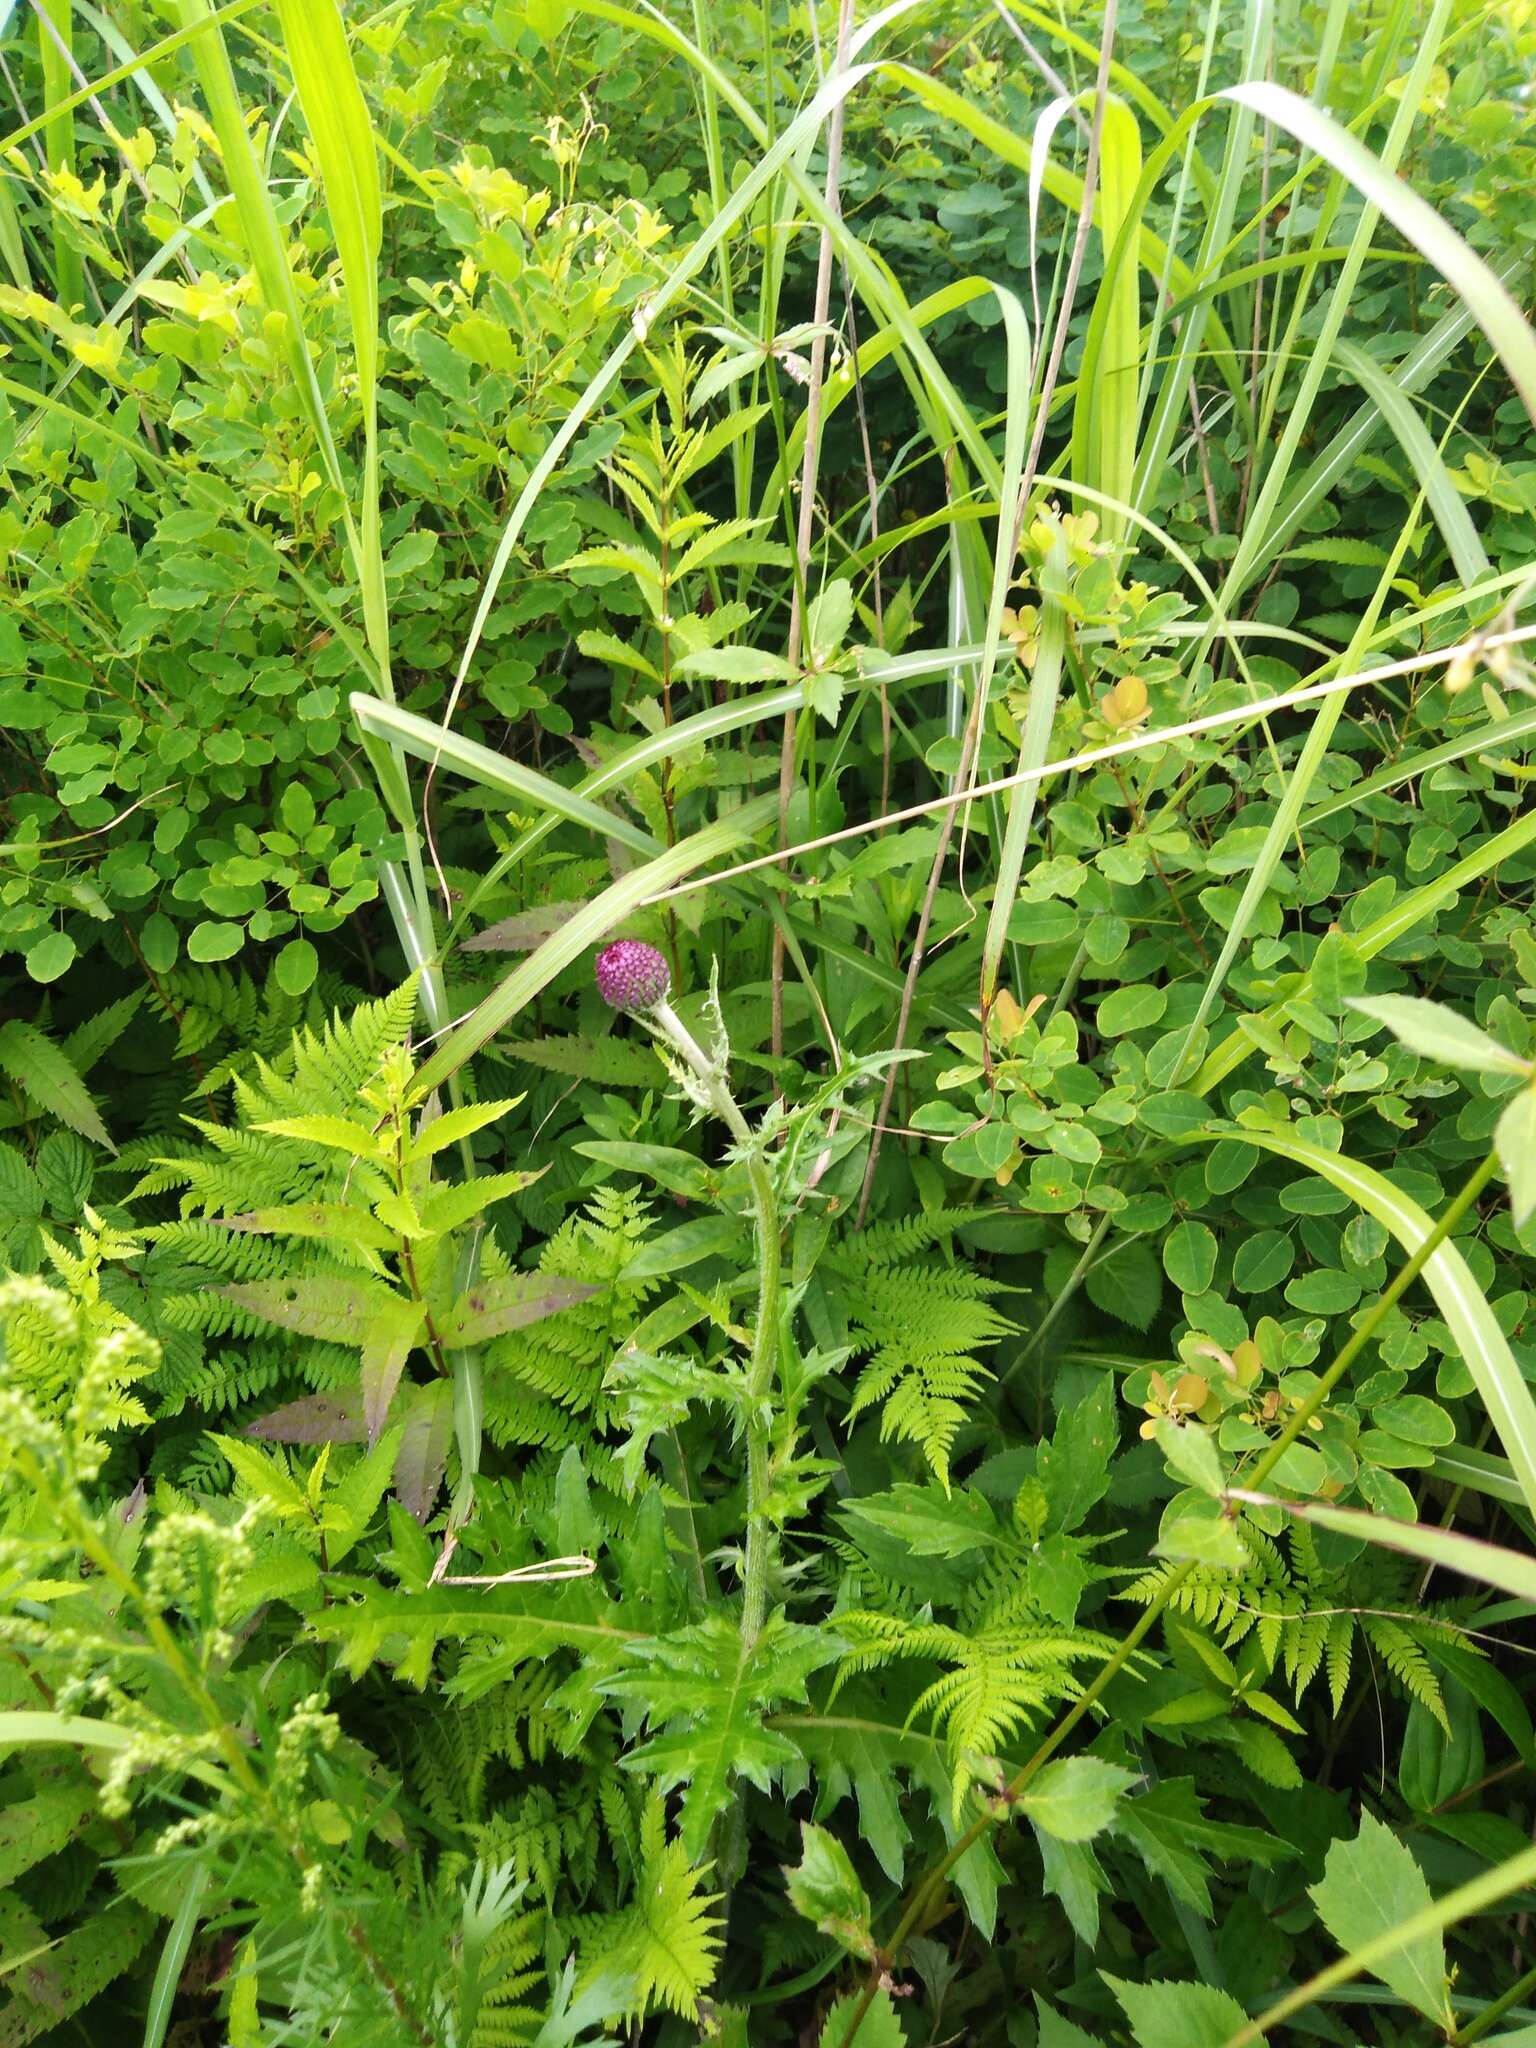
x=632 y=976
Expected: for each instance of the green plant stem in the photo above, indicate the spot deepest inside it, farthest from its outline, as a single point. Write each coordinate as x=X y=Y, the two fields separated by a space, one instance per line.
x=928 y=1885
x=666 y=1023
x=1492 y=2013
x=760 y=1379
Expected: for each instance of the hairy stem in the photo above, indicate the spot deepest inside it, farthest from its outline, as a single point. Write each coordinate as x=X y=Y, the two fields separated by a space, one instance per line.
x=666 y=1023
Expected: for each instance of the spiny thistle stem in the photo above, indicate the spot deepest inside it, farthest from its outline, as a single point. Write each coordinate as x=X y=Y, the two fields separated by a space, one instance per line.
x=635 y=978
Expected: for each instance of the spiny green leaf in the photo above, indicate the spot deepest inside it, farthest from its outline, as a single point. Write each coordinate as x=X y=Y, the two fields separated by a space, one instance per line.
x=1368 y=1886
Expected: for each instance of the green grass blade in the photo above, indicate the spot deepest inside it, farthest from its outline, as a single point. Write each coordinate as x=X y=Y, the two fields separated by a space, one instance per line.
x=1035 y=746
x=409 y=734
x=1473 y=281
x=1424 y=461
x=1104 y=415
x=342 y=134
x=55 y=41
x=173 y=1955
x=1490 y=1564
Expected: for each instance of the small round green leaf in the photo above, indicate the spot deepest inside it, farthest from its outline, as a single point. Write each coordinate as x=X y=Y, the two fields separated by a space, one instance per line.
x=296 y=967
x=211 y=940
x=1130 y=1009
x=49 y=958
x=1262 y=1261
x=159 y=942
x=1189 y=1256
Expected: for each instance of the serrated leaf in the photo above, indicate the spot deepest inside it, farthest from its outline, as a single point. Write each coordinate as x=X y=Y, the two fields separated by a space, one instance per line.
x=1127 y=1283
x=336 y=1133
x=1438 y=1033
x=711 y=1696
x=831 y=615
x=1171 y=2015
x=824 y=1888
x=1368 y=1887
x=879 y=2028
x=38 y=1067
x=1056 y=2032
x=1191 y=1454
x=1075 y=1798
x=1074 y=1466
x=454 y=1125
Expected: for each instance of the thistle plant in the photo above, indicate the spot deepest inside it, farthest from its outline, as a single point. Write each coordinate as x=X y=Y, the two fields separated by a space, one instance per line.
x=634 y=978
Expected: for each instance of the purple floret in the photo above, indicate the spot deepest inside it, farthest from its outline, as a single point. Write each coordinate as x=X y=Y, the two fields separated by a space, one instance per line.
x=632 y=975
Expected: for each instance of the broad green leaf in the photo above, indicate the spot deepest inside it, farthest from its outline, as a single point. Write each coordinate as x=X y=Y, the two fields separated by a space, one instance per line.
x=1368 y=1888
x=1075 y=1798
x=213 y=940
x=1074 y=1466
x=879 y=2028
x=330 y=1222
x=296 y=967
x=929 y=1522
x=50 y=957
x=1194 y=1538
x=824 y=1888
x=1056 y=2032
x=1440 y=1034
x=423 y=1453
x=1173 y=2015
x=1191 y=1454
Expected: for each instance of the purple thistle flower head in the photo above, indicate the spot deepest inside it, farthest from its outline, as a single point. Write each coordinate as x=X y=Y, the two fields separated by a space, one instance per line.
x=632 y=976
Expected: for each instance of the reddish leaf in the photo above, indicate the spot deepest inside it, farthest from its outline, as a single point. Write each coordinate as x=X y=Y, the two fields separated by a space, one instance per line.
x=424 y=1449
x=509 y=1303
x=386 y=1346
x=314 y=1419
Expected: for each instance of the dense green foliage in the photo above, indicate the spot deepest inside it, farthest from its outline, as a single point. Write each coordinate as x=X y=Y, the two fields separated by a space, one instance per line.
x=972 y=1473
